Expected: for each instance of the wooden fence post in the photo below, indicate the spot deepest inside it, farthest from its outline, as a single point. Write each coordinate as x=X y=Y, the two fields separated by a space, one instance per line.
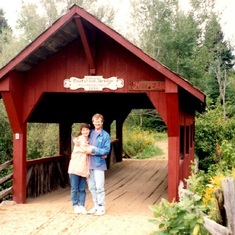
x=229 y=202
x=215 y=228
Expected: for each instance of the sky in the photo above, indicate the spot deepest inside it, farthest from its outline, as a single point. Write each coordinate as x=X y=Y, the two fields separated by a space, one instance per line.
x=11 y=9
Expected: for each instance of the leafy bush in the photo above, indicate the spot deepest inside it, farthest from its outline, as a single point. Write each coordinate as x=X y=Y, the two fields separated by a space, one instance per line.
x=210 y=131
x=198 y=200
x=140 y=144
x=42 y=140
x=184 y=217
x=6 y=150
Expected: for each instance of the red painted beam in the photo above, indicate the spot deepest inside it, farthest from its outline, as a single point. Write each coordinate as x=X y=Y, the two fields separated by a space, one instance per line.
x=19 y=166
x=85 y=44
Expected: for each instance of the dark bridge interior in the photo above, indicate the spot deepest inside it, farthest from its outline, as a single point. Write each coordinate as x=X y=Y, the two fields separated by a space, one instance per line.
x=79 y=107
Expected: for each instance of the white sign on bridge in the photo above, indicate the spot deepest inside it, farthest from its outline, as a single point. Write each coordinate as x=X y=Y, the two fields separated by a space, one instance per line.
x=94 y=83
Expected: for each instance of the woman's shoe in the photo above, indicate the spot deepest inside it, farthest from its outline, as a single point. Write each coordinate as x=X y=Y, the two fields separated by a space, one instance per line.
x=83 y=210
x=77 y=210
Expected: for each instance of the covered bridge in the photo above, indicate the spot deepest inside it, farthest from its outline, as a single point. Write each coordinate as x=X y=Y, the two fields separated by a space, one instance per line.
x=80 y=66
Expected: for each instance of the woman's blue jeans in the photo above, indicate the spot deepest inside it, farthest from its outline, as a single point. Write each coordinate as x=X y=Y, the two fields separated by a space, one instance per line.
x=78 y=189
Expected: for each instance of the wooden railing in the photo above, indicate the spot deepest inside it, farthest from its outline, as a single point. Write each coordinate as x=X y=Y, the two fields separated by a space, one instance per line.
x=112 y=157
x=5 y=179
x=46 y=174
x=49 y=173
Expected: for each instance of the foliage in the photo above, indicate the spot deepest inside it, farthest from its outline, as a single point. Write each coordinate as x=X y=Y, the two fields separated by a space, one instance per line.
x=9 y=44
x=5 y=136
x=220 y=63
x=198 y=200
x=190 y=43
x=3 y=21
x=212 y=180
x=45 y=13
x=42 y=140
x=171 y=36
x=29 y=17
x=146 y=119
x=139 y=143
x=183 y=217
x=210 y=131
x=6 y=147
x=6 y=37
x=149 y=151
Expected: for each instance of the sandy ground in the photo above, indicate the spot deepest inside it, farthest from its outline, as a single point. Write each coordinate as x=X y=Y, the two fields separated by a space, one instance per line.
x=54 y=219
x=51 y=214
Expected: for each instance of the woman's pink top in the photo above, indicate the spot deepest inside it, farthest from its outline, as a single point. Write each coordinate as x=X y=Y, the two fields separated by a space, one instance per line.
x=79 y=164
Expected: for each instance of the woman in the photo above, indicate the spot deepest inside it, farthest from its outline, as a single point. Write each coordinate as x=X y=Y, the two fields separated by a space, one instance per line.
x=79 y=169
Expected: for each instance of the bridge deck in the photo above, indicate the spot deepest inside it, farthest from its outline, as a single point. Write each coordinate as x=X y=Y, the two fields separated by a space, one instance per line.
x=131 y=186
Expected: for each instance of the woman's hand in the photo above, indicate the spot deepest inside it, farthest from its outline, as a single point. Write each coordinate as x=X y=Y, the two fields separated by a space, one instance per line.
x=89 y=152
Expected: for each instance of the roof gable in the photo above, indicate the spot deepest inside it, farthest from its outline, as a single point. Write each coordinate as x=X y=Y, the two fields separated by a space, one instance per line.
x=65 y=30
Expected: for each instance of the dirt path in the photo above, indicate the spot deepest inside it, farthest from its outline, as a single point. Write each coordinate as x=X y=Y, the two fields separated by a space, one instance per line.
x=128 y=197
x=163 y=145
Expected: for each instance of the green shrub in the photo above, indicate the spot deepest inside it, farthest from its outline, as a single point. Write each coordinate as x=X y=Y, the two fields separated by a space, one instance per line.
x=184 y=217
x=210 y=131
x=42 y=140
x=141 y=144
x=6 y=149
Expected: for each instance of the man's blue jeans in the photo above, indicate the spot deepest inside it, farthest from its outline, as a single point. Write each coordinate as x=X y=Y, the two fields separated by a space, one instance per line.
x=78 y=189
x=96 y=187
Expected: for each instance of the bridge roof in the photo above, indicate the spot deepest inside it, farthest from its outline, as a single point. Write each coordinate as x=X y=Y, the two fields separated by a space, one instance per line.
x=74 y=24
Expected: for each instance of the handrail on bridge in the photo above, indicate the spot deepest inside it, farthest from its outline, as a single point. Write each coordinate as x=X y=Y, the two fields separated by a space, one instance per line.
x=47 y=173
x=7 y=191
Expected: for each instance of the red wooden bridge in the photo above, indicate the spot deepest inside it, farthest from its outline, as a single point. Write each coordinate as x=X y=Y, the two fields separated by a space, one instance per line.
x=81 y=62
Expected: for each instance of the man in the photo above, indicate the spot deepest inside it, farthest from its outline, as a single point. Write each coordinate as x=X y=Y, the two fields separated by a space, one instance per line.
x=97 y=164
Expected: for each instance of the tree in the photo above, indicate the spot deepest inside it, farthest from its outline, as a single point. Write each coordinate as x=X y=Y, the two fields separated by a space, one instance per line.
x=170 y=36
x=29 y=17
x=3 y=21
x=182 y=40
x=5 y=30
x=220 y=62
x=45 y=13
x=5 y=130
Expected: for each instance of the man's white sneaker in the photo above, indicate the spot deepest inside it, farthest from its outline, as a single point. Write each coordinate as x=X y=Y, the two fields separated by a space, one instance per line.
x=100 y=211
x=92 y=211
x=82 y=210
x=77 y=209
